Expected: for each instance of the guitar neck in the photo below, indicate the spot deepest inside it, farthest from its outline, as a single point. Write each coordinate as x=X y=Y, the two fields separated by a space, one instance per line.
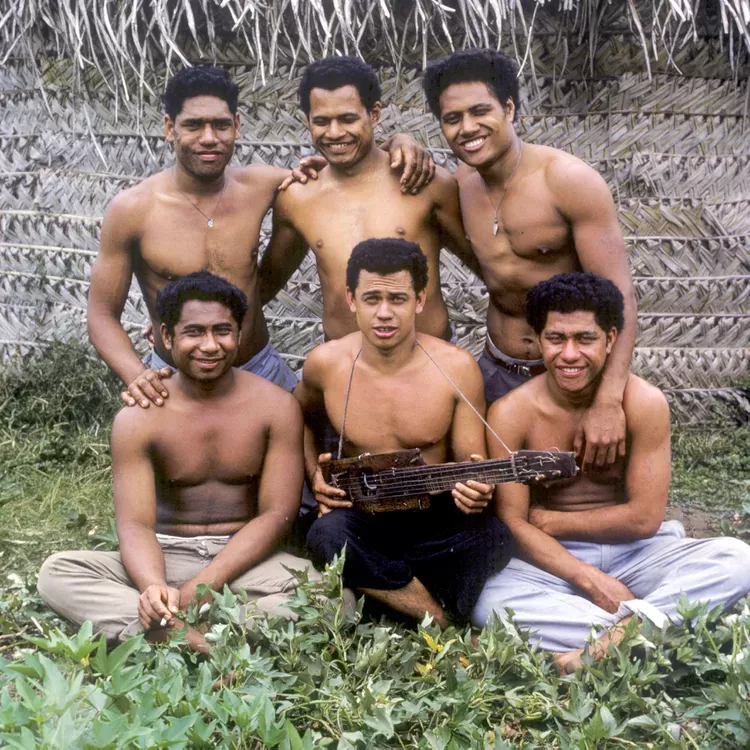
x=443 y=477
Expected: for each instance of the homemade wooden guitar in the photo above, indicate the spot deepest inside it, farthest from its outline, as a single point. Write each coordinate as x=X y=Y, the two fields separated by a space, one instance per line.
x=385 y=482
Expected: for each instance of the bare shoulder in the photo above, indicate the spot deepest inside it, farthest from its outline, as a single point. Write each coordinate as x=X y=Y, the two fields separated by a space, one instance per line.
x=329 y=357
x=443 y=185
x=518 y=406
x=136 y=425
x=645 y=406
x=259 y=176
x=129 y=206
x=299 y=194
x=261 y=396
x=457 y=362
x=567 y=176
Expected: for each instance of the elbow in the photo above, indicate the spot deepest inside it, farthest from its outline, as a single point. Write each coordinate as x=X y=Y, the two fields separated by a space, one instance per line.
x=644 y=526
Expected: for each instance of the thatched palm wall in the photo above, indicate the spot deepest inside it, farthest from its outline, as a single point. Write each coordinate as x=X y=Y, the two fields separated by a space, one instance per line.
x=668 y=131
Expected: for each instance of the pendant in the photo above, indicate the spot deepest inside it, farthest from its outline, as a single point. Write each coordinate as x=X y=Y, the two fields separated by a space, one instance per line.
x=495 y=227
x=211 y=224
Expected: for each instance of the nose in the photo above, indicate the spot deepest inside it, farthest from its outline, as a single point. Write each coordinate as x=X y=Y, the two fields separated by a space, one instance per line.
x=208 y=135
x=209 y=343
x=570 y=350
x=335 y=130
x=469 y=125
x=384 y=311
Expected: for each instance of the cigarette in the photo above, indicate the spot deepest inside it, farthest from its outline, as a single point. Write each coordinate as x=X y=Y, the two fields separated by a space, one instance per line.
x=163 y=622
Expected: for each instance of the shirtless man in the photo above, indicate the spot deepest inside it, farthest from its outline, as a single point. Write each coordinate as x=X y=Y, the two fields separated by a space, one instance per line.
x=356 y=198
x=204 y=488
x=595 y=550
x=198 y=214
x=433 y=560
x=530 y=212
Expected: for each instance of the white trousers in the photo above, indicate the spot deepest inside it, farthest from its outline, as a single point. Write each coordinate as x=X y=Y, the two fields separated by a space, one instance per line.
x=656 y=570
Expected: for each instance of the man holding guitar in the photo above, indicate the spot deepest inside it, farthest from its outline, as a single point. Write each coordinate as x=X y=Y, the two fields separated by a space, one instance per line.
x=387 y=388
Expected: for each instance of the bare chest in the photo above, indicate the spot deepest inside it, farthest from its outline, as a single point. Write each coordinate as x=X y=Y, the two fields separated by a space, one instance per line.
x=519 y=240
x=220 y=447
x=335 y=221
x=177 y=240
x=386 y=414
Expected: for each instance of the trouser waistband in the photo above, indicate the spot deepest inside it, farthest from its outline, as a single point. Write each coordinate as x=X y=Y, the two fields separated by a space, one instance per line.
x=529 y=367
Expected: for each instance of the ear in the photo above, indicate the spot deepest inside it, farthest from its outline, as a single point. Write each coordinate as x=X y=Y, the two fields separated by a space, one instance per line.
x=376 y=113
x=169 y=128
x=165 y=337
x=510 y=109
x=350 y=300
x=237 y=124
x=421 y=299
x=611 y=338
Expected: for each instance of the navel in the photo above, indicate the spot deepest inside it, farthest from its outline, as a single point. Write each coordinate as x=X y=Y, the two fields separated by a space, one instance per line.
x=401 y=231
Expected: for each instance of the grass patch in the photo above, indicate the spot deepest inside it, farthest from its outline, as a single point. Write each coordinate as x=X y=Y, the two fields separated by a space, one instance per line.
x=330 y=679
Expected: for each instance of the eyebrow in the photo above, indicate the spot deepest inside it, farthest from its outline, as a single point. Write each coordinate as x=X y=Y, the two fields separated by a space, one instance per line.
x=202 y=120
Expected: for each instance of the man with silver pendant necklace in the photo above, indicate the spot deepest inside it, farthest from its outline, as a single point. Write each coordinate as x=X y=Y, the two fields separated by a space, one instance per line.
x=530 y=212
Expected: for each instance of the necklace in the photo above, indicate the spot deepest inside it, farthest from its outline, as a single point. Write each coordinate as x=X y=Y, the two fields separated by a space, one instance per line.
x=209 y=219
x=495 y=223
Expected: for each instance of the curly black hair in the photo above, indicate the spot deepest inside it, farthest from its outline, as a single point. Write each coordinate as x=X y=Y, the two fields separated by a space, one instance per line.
x=574 y=291
x=498 y=71
x=201 y=80
x=386 y=256
x=203 y=286
x=334 y=72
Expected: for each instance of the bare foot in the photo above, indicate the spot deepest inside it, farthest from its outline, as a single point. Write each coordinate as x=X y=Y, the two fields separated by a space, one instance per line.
x=193 y=638
x=568 y=662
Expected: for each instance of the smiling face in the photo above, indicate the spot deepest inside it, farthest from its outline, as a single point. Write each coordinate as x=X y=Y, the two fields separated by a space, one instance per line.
x=205 y=340
x=203 y=134
x=340 y=126
x=478 y=128
x=575 y=348
x=386 y=307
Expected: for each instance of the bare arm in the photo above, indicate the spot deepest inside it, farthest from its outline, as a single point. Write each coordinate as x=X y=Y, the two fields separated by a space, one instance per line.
x=447 y=214
x=284 y=254
x=279 y=495
x=135 y=501
x=309 y=393
x=646 y=483
x=584 y=200
x=509 y=417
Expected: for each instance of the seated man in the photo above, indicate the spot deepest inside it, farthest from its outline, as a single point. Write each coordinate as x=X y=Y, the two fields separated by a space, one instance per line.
x=387 y=388
x=595 y=550
x=204 y=488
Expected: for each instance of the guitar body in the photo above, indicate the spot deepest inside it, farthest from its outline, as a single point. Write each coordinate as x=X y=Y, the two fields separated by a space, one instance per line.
x=354 y=474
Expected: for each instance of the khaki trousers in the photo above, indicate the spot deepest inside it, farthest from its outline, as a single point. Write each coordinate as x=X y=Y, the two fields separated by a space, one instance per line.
x=90 y=585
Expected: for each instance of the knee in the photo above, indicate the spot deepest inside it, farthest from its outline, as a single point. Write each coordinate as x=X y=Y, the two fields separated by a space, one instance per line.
x=328 y=535
x=52 y=572
x=734 y=555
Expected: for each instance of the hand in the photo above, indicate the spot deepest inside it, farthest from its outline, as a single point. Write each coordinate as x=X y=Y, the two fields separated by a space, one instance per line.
x=606 y=592
x=157 y=605
x=473 y=496
x=328 y=497
x=602 y=430
x=148 y=333
x=147 y=388
x=187 y=596
x=418 y=166
x=308 y=167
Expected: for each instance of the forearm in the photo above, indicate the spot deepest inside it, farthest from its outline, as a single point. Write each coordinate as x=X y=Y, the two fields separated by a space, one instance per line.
x=546 y=553
x=141 y=555
x=114 y=346
x=617 y=367
x=312 y=452
x=252 y=544
x=610 y=525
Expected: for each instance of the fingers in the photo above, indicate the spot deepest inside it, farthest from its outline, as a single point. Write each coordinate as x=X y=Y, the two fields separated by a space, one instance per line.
x=408 y=176
x=476 y=457
x=173 y=600
x=151 y=606
x=331 y=503
x=578 y=442
x=426 y=172
x=324 y=458
x=472 y=497
x=396 y=159
x=127 y=399
x=147 y=389
x=286 y=183
x=621 y=448
x=165 y=372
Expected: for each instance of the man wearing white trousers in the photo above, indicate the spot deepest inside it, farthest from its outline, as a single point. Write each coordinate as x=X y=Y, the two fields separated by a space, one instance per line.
x=594 y=550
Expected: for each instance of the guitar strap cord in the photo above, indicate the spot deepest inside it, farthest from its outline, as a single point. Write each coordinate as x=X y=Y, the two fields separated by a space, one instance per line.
x=447 y=377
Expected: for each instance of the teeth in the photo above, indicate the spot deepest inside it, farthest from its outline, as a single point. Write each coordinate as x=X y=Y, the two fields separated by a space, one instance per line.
x=475 y=142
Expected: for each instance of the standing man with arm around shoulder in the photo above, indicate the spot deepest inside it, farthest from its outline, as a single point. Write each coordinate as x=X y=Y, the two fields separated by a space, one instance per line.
x=356 y=198
x=205 y=487
x=530 y=212
x=595 y=550
x=386 y=388
x=199 y=214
